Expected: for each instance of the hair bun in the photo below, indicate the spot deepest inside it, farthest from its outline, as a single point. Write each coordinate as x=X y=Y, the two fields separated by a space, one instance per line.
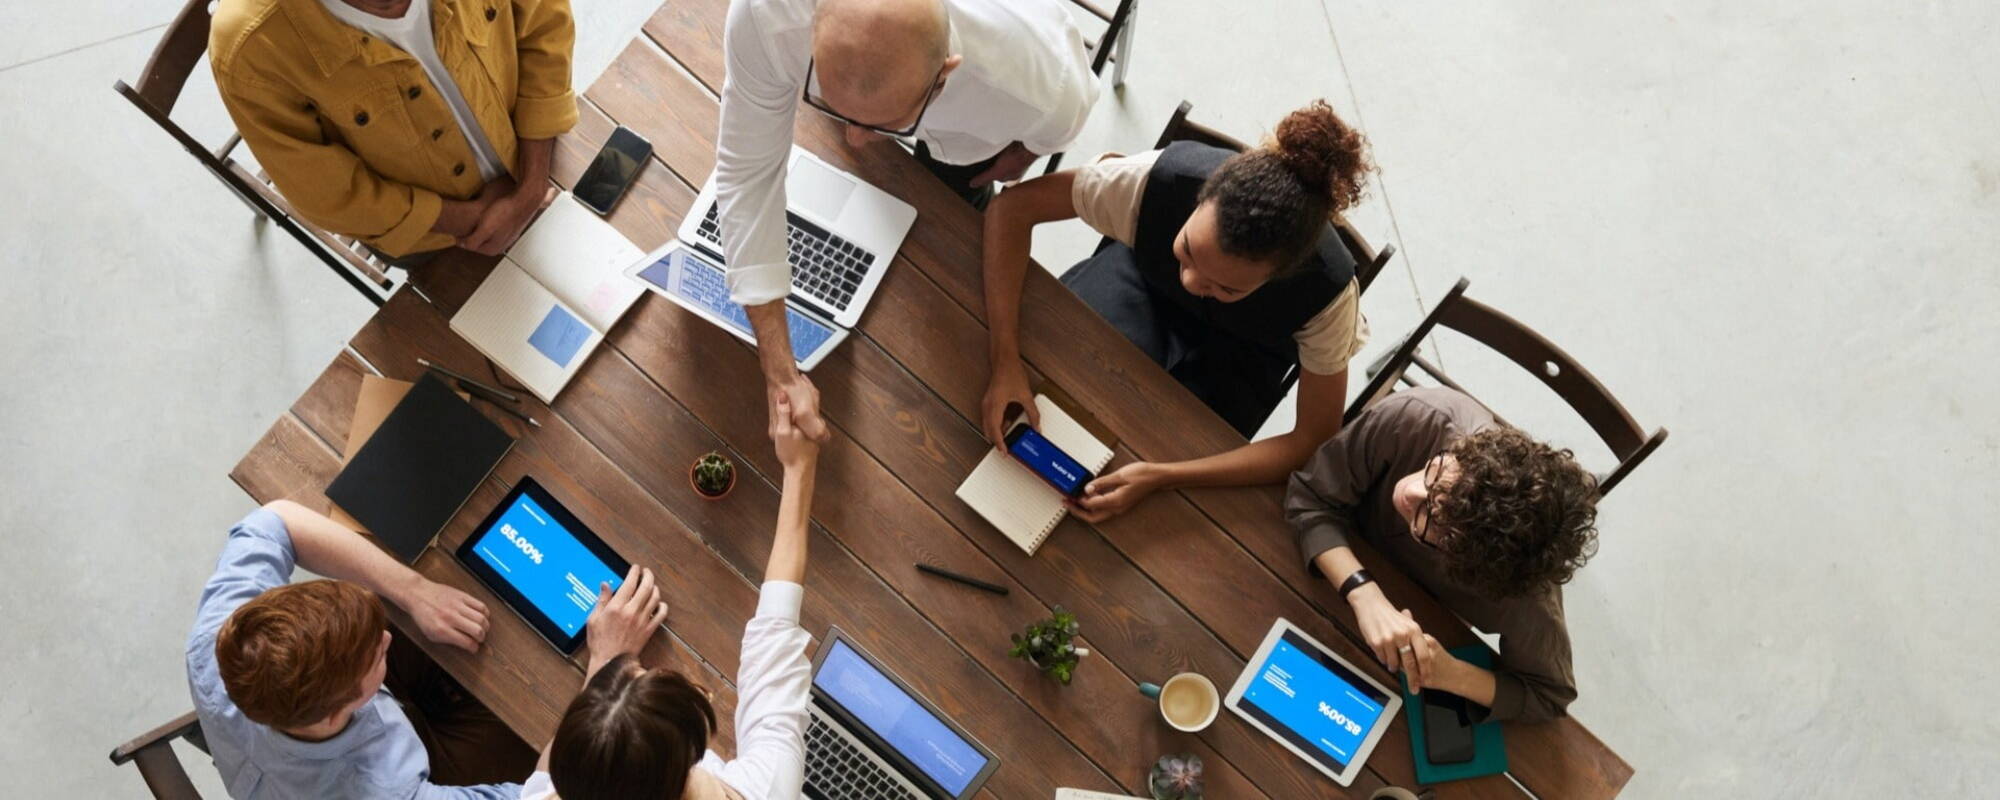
x=1329 y=157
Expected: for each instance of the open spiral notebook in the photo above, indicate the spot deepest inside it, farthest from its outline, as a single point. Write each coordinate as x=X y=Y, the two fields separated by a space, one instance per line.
x=1010 y=496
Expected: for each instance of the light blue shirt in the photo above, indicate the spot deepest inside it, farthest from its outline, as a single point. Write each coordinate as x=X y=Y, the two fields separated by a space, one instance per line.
x=378 y=755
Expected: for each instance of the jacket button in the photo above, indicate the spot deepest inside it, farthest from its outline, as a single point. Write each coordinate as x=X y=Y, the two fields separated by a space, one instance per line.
x=490 y=14
x=364 y=41
x=361 y=118
x=458 y=169
x=435 y=133
x=415 y=92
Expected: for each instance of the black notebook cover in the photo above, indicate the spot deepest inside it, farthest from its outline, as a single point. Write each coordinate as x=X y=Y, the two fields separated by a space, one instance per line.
x=410 y=477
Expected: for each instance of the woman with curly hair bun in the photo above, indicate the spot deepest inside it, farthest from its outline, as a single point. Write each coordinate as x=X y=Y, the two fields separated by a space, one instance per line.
x=1222 y=267
x=1485 y=518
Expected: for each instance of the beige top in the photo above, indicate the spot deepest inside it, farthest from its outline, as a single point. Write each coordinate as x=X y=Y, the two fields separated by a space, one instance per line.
x=1106 y=195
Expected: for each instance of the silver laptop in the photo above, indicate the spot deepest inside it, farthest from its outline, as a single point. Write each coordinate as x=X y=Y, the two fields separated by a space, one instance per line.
x=843 y=234
x=871 y=738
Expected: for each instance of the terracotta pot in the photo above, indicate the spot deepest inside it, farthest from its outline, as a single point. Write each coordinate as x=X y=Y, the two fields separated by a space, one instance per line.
x=704 y=495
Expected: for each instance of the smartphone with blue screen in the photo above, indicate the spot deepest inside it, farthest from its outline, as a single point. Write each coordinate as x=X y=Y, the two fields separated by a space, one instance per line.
x=1046 y=460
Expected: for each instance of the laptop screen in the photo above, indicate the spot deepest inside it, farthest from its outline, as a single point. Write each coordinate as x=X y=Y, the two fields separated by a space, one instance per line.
x=897 y=719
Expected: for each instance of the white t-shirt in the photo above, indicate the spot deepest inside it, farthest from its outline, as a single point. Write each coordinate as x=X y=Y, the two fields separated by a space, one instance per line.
x=411 y=33
x=773 y=686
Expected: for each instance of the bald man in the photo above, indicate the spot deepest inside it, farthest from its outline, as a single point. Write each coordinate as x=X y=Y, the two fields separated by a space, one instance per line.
x=984 y=86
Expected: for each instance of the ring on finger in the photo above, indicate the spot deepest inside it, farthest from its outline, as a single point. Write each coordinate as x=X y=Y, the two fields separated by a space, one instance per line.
x=1404 y=649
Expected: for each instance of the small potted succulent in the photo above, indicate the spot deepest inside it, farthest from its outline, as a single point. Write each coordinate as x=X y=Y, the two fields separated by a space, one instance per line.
x=1049 y=645
x=712 y=476
x=1176 y=778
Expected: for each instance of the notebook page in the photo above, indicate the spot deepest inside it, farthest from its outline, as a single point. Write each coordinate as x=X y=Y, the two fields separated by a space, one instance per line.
x=581 y=259
x=525 y=330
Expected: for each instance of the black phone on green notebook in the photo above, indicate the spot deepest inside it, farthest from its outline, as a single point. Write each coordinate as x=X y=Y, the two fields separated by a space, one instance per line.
x=1447 y=728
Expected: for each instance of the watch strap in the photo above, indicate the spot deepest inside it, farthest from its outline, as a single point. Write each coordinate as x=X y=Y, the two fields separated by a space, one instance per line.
x=1355 y=580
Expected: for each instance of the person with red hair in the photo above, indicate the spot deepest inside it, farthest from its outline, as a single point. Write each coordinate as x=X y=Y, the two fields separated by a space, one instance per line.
x=302 y=691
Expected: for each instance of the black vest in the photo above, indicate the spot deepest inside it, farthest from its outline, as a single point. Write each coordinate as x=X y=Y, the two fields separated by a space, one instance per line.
x=1269 y=316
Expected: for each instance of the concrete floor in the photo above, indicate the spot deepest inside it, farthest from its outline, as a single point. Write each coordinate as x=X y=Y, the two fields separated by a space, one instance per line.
x=1768 y=229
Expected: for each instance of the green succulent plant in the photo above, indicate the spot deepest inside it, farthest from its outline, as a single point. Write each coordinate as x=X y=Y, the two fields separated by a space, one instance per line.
x=713 y=474
x=1176 y=777
x=1049 y=644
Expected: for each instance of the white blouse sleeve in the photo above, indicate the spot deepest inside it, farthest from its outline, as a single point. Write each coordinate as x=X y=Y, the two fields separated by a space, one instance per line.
x=773 y=686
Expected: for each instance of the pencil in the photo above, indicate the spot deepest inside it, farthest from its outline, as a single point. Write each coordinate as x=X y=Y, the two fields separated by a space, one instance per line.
x=486 y=394
x=953 y=576
x=496 y=394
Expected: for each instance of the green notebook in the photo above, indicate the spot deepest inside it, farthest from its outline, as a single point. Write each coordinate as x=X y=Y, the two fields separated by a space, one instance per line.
x=1489 y=750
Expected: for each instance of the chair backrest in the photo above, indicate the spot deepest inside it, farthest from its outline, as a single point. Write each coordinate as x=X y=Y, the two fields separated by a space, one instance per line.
x=174 y=60
x=1606 y=417
x=153 y=753
x=1367 y=262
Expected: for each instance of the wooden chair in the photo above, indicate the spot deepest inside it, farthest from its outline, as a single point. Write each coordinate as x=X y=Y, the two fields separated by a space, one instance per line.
x=153 y=752
x=1555 y=368
x=159 y=89
x=1114 y=45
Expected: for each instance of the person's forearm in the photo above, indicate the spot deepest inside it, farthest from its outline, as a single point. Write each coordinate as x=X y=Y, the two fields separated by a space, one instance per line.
x=457 y=218
x=788 y=547
x=774 y=341
x=1338 y=563
x=532 y=163
x=1006 y=260
x=1260 y=462
x=1466 y=680
x=330 y=549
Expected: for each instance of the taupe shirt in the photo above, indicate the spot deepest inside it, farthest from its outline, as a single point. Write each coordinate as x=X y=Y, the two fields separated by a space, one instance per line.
x=1343 y=493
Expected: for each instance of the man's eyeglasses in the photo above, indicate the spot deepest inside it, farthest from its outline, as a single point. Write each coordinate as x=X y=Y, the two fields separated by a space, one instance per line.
x=1433 y=471
x=819 y=104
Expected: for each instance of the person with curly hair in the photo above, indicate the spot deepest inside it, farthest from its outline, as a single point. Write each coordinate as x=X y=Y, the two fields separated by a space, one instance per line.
x=1222 y=267
x=1485 y=518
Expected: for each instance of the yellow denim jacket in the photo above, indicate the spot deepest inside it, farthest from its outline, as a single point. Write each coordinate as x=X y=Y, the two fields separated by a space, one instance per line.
x=351 y=130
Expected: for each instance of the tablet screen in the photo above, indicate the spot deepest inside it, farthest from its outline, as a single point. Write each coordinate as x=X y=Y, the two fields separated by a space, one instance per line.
x=1313 y=701
x=543 y=561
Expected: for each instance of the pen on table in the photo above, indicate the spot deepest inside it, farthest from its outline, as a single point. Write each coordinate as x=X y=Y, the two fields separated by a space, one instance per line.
x=486 y=394
x=494 y=393
x=953 y=576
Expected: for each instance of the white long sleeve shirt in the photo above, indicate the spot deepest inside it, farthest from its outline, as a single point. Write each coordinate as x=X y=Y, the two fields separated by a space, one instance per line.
x=1025 y=78
x=773 y=686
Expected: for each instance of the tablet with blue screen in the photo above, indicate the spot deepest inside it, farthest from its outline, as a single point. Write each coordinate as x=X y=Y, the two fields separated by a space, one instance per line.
x=544 y=562
x=1313 y=702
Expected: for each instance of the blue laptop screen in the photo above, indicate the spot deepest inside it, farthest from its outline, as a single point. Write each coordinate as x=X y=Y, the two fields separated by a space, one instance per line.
x=554 y=571
x=1313 y=701
x=702 y=284
x=898 y=719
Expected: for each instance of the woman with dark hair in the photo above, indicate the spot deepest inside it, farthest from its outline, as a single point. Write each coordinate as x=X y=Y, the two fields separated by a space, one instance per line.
x=1220 y=266
x=635 y=732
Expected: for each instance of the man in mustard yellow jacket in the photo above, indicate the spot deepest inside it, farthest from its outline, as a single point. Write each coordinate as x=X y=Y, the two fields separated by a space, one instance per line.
x=412 y=125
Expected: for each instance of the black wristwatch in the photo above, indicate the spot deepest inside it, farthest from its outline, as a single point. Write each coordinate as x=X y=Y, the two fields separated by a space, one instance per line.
x=1355 y=580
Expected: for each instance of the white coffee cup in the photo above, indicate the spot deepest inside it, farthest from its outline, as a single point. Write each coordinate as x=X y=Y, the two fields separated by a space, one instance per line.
x=1188 y=701
x=1393 y=793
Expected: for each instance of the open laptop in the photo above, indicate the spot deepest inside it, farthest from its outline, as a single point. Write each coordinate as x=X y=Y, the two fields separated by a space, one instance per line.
x=871 y=738
x=843 y=234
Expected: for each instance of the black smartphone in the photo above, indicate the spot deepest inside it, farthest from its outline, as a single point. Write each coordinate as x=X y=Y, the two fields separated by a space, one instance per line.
x=613 y=170
x=1447 y=728
x=1045 y=459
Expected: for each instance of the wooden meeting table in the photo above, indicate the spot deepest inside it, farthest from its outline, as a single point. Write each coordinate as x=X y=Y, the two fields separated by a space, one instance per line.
x=1187 y=580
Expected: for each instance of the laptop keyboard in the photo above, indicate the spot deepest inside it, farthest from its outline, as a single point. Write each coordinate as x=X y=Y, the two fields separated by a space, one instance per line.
x=825 y=267
x=837 y=769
